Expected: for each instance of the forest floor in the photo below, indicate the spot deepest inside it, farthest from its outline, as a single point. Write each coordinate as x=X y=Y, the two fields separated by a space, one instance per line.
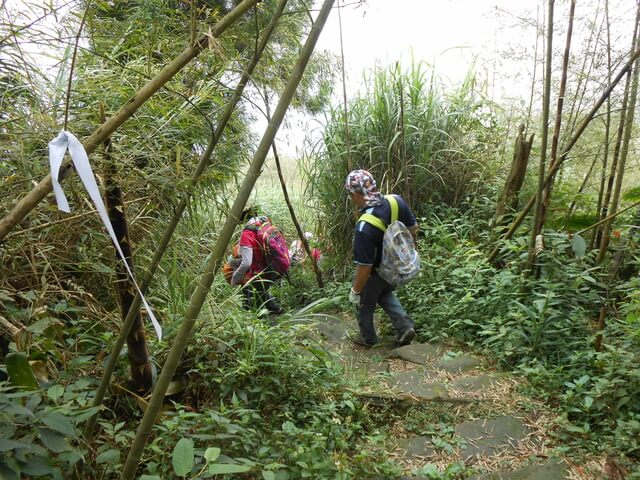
x=451 y=407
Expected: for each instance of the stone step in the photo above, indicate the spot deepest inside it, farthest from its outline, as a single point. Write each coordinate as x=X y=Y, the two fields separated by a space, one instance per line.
x=419 y=353
x=553 y=470
x=476 y=439
x=416 y=383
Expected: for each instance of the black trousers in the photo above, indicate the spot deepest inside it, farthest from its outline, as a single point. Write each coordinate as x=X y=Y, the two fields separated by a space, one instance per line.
x=257 y=295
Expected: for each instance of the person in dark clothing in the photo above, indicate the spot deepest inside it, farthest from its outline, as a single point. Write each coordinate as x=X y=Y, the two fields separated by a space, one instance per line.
x=369 y=289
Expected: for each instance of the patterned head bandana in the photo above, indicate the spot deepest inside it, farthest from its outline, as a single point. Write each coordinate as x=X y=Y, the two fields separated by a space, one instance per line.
x=361 y=181
x=256 y=221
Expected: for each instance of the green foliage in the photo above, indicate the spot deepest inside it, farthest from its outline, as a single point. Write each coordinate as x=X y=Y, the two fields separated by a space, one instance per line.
x=269 y=403
x=40 y=430
x=541 y=326
x=416 y=137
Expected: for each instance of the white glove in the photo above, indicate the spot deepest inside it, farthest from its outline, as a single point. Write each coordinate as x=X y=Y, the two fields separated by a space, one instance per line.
x=354 y=297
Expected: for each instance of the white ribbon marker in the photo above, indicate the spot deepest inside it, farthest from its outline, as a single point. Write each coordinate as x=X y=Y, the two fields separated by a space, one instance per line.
x=57 y=148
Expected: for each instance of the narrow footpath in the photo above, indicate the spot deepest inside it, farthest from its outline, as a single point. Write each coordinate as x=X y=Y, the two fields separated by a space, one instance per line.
x=453 y=407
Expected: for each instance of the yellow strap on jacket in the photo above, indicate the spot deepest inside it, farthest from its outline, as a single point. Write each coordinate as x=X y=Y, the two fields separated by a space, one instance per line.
x=376 y=221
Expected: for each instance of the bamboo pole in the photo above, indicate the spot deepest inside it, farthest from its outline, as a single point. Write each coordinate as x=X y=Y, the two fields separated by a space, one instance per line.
x=610 y=179
x=576 y=136
x=199 y=296
x=104 y=131
x=137 y=350
x=610 y=217
x=624 y=151
x=546 y=194
x=203 y=163
x=607 y=131
x=585 y=180
x=546 y=101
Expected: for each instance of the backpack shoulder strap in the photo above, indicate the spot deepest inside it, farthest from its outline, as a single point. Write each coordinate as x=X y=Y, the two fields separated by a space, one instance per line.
x=373 y=220
x=394 y=207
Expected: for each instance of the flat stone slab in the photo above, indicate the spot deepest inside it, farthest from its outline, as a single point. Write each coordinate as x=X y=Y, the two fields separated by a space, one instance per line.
x=413 y=383
x=489 y=436
x=331 y=328
x=460 y=363
x=366 y=360
x=554 y=470
x=476 y=384
x=418 y=447
x=420 y=353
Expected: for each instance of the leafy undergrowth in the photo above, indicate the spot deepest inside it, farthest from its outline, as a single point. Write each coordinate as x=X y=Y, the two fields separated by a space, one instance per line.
x=542 y=328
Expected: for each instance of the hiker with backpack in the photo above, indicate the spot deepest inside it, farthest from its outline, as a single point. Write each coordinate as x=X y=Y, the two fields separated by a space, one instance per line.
x=385 y=257
x=263 y=257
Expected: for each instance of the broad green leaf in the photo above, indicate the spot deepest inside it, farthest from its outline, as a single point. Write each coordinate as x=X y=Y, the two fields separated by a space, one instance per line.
x=40 y=467
x=220 y=468
x=6 y=445
x=58 y=422
x=268 y=475
x=9 y=470
x=211 y=454
x=588 y=401
x=579 y=245
x=55 y=392
x=20 y=371
x=110 y=456
x=183 y=457
x=149 y=477
x=54 y=441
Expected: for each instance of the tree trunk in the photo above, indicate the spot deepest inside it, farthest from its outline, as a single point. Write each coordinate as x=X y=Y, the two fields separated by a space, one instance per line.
x=546 y=194
x=203 y=163
x=199 y=296
x=137 y=352
x=292 y=213
x=624 y=150
x=104 y=131
x=580 y=130
x=538 y=213
x=508 y=201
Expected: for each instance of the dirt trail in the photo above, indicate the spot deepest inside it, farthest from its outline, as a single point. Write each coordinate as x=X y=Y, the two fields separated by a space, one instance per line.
x=456 y=408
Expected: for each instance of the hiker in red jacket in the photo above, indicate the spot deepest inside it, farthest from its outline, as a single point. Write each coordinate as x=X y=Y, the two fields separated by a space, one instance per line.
x=369 y=289
x=255 y=262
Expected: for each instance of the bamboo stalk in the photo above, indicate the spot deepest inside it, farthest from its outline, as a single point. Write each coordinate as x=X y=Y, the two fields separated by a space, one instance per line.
x=294 y=219
x=624 y=151
x=137 y=350
x=538 y=212
x=199 y=296
x=580 y=190
x=580 y=130
x=104 y=131
x=203 y=163
x=610 y=217
x=558 y=120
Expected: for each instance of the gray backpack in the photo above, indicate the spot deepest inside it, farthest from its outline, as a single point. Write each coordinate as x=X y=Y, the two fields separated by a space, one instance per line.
x=400 y=261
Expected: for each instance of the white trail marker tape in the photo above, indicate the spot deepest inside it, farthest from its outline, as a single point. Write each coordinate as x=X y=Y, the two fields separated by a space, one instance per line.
x=57 y=148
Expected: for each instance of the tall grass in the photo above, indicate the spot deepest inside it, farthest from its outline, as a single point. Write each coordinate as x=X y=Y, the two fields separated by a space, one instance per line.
x=418 y=139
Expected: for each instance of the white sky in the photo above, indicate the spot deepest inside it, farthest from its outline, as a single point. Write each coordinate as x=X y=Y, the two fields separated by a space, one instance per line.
x=499 y=35
x=448 y=34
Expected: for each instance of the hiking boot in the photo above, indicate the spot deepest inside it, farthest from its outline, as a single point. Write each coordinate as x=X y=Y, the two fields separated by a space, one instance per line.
x=358 y=340
x=407 y=337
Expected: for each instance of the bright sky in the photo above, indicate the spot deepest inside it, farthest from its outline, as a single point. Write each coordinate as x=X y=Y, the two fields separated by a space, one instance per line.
x=449 y=34
x=446 y=33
